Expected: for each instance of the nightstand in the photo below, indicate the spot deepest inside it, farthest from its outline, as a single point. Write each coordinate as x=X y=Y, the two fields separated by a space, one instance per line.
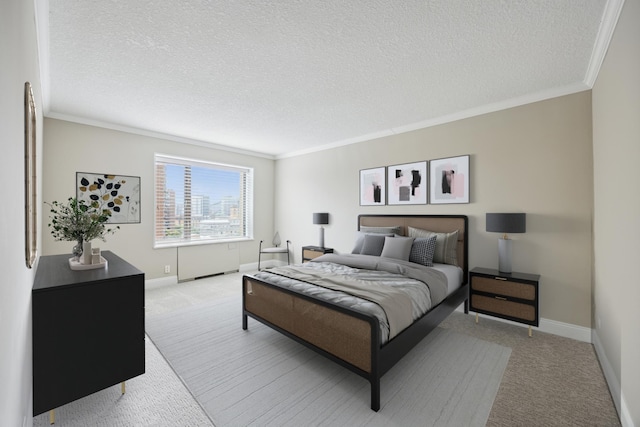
x=512 y=296
x=311 y=252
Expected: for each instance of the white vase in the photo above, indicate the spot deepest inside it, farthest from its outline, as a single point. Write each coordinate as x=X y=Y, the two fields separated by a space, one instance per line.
x=86 y=252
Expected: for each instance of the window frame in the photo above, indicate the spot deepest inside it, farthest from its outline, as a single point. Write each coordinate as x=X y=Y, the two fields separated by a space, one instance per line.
x=247 y=173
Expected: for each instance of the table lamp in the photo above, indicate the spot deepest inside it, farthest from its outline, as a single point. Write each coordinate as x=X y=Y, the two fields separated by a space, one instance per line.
x=321 y=218
x=505 y=223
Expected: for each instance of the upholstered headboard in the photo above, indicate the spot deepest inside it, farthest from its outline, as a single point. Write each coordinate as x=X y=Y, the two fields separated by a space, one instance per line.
x=436 y=223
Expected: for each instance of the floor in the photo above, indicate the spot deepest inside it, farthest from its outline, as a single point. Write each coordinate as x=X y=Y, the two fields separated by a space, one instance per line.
x=549 y=381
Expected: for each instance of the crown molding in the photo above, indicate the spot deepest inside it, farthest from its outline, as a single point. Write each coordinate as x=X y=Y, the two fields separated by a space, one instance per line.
x=153 y=134
x=612 y=10
x=42 y=37
x=472 y=112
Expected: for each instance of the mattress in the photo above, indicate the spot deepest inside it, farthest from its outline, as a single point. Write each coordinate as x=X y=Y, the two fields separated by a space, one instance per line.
x=443 y=279
x=454 y=276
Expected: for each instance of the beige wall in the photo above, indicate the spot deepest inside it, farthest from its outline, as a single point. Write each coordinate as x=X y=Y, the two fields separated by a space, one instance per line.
x=535 y=159
x=71 y=147
x=616 y=147
x=18 y=56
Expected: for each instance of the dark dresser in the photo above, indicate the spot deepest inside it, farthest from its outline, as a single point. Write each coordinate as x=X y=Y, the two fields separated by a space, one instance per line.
x=88 y=329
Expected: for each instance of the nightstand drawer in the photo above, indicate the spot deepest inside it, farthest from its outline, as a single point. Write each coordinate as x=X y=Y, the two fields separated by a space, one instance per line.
x=503 y=287
x=310 y=254
x=506 y=308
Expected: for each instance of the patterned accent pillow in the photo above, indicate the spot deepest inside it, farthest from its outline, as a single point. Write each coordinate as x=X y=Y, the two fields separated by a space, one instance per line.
x=422 y=250
x=446 y=245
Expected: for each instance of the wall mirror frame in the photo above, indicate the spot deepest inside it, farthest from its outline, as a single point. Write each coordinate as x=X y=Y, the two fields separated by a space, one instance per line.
x=30 y=181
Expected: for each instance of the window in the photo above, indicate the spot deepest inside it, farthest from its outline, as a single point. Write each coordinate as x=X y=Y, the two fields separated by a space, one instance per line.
x=201 y=202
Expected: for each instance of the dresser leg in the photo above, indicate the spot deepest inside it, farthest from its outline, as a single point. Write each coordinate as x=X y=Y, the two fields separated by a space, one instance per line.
x=476 y=317
x=52 y=416
x=530 y=333
x=122 y=387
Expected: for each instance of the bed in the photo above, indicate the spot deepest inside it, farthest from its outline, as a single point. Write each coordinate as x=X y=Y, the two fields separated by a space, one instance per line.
x=303 y=301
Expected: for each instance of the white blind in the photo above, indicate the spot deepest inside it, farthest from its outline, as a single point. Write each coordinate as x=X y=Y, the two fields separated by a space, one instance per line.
x=200 y=202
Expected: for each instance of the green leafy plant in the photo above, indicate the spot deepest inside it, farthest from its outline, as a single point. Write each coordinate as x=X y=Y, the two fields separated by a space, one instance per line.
x=77 y=221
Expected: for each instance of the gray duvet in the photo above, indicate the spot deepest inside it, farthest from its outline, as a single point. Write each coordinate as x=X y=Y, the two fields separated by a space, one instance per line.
x=396 y=292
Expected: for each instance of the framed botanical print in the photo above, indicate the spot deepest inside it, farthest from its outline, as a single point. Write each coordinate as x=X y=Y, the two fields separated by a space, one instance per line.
x=407 y=184
x=449 y=180
x=119 y=194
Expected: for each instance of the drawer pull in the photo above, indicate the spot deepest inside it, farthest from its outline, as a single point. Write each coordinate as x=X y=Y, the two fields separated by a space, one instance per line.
x=500 y=298
x=500 y=278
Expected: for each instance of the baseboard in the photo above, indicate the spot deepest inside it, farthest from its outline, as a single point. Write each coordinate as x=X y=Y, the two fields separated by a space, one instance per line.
x=252 y=266
x=566 y=330
x=612 y=381
x=248 y=267
x=172 y=280
x=554 y=327
x=161 y=282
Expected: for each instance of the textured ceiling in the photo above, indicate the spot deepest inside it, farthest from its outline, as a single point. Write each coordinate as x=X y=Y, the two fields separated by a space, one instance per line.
x=281 y=77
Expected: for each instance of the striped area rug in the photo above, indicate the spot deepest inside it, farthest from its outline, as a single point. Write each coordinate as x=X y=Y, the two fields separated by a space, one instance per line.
x=262 y=378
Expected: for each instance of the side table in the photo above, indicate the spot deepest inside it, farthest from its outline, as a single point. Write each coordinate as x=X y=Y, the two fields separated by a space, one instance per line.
x=512 y=296
x=311 y=252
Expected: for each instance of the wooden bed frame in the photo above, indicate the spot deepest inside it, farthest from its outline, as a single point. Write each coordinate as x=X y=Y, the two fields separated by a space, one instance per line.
x=350 y=337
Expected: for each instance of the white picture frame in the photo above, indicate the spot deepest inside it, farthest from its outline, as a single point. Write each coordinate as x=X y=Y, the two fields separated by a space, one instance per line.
x=407 y=184
x=449 y=180
x=372 y=187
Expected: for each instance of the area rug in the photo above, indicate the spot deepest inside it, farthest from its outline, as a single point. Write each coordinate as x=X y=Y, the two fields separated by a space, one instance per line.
x=259 y=377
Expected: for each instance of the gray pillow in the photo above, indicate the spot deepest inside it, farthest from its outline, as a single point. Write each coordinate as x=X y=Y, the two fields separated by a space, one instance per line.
x=446 y=245
x=397 y=247
x=357 y=248
x=422 y=250
x=381 y=230
x=373 y=244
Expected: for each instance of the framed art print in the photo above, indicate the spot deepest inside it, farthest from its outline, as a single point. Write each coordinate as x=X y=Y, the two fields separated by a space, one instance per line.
x=372 y=187
x=119 y=194
x=449 y=180
x=407 y=184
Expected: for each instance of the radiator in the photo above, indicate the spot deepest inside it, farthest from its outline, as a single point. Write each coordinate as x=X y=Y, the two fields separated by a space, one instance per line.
x=205 y=260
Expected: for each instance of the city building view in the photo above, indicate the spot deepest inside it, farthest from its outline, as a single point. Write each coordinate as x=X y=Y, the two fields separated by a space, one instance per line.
x=196 y=204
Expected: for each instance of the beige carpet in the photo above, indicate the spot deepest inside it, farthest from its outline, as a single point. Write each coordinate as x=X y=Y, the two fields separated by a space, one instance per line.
x=156 y=398
x=549 y=381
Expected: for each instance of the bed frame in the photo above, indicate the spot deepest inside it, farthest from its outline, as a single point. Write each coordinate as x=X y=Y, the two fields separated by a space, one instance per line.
x=350 y=337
